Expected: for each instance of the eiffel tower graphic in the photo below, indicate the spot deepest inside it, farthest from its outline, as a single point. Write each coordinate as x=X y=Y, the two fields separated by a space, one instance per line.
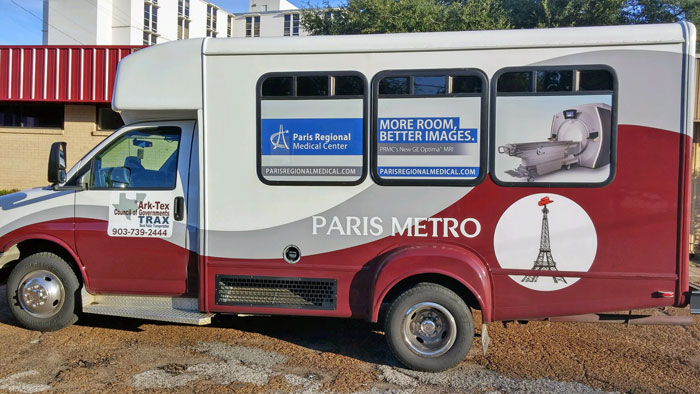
x=544 y=261
x=275 y=139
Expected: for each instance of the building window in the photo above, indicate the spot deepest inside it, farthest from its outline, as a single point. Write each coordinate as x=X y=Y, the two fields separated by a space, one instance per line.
x=183 y=29
x=230 y=24
x=252 y=26
x=150 y=22
x=430 y=128
x=554 y=127
x=312 y=128
x=31 y=115
x=183 y=8
x=108 y=119
x=211 y=20
x=291 y=25
x=331 y=14
x=183 y=19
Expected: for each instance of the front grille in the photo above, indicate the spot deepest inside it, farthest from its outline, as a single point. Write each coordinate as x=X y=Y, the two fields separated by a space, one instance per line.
x=276 y=292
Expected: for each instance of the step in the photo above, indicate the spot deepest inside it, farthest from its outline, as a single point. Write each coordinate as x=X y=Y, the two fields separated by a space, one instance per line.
x=169 y=309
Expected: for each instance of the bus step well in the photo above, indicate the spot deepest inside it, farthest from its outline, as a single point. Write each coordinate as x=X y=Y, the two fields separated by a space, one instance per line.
x=169 y=309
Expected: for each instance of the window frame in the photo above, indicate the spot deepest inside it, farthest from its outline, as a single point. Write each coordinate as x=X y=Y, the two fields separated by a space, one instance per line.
x=150 y=24
x=212 y=11
x=91 y=165
x=258 y=121
x=483 y=124
x=574 y=92
x=252 y=26
x=292 y=21
x=295 y=25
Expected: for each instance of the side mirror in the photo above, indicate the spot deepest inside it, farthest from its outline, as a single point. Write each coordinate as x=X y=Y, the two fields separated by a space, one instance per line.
x=57 y=163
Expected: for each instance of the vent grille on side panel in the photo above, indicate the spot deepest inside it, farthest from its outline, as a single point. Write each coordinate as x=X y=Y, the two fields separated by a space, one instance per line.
x=276 y=292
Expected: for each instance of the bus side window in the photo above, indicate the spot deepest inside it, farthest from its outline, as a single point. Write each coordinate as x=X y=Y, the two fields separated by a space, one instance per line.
x=429 y=127
x=553 y=126
x=515 y=82
x=278 y=86
x=312 y=128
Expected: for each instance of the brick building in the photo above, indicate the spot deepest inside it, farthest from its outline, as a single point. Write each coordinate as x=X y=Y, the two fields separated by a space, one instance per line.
x=53 y=93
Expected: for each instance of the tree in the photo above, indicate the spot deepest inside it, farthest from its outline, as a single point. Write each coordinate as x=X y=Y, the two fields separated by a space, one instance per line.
x=658 y=11
x=393 y=16
x=563 y=13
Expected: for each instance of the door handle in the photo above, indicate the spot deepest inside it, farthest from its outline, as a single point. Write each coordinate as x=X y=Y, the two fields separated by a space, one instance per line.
x=179 y=206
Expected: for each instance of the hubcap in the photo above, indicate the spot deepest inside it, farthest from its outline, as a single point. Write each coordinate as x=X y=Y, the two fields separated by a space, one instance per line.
x=429 y=329
x=41 y=294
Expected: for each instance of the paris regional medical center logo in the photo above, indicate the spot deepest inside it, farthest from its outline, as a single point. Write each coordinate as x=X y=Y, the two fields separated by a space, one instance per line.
x=278 y=140
x=545 y=232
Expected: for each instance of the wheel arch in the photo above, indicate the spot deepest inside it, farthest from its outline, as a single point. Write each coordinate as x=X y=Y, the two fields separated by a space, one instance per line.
x=26 y=246
x=454 y=267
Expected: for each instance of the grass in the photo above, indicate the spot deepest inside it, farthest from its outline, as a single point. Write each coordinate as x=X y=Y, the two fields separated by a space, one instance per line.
x=7 y=191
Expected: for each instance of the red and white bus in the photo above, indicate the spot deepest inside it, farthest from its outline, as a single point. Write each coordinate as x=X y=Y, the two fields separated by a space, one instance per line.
x=412 y=178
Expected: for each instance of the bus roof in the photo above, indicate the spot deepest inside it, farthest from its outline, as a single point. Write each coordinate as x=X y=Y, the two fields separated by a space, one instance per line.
x=150 y=83
x=445 y=41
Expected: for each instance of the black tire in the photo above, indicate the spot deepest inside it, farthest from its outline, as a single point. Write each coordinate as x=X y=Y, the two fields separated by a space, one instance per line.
x=398 y=322
x=53 y=314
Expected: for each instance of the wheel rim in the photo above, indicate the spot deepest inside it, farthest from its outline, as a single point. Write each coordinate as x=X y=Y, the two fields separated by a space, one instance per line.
x=429 y=329
x=41 y=294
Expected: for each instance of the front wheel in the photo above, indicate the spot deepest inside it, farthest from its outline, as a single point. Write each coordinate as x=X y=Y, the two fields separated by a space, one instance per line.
x=429 y=328
x=41 y=292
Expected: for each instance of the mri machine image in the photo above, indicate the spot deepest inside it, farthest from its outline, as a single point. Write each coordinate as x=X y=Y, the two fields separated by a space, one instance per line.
x=580 y=136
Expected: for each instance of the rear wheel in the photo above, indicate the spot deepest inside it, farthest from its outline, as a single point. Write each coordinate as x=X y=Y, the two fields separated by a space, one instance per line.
x=41 y=292
x=429 y=328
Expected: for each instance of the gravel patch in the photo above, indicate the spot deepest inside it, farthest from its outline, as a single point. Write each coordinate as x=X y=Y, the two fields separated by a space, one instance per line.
x=313 y=355
x=11 y=383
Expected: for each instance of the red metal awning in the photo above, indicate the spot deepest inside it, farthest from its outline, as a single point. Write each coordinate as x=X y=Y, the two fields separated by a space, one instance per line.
x=82 y=74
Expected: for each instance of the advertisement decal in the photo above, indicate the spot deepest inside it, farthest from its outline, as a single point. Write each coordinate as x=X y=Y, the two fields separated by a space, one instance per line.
x=325 y=142
x=545 y=232
x=141 y=214
x=441 y=143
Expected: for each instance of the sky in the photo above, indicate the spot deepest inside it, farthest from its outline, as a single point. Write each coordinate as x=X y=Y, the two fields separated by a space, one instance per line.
x=20 y=20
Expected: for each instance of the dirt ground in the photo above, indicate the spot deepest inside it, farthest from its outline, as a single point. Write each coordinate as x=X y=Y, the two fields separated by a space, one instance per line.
x=293 y=354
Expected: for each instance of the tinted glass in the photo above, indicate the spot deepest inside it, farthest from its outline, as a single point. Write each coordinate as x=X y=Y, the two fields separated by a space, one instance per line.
x=312 y=86
x=394 y=85
x=278 y=86
x=429 y=85
x=467 y=84
x=349 y=86
x=140 y=159
x=555 y=81
x=595 y=80
x=31 y=115
x=515 y=82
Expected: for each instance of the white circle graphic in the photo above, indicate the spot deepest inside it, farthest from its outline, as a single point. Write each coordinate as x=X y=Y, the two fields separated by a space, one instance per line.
x=520 y=240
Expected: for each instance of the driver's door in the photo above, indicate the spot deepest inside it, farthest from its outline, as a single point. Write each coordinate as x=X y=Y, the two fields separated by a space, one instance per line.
x=130 y=221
